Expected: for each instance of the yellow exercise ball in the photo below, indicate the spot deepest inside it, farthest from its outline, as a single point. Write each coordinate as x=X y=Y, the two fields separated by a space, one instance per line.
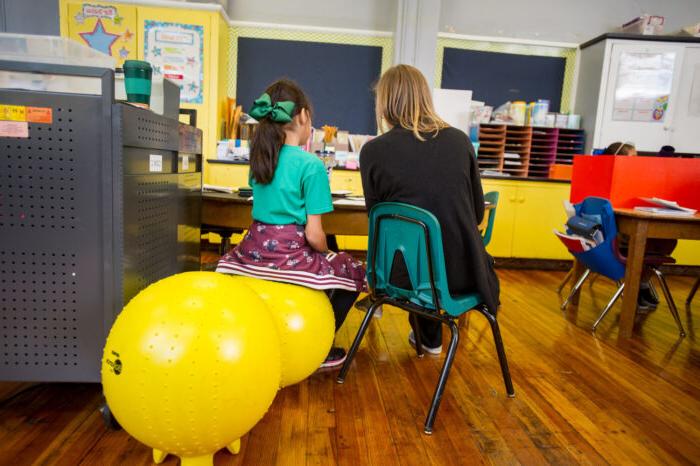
x=191 y=364
x=305 y=324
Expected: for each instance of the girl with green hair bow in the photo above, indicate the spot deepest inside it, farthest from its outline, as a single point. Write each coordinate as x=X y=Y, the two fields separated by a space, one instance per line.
x=286 y=242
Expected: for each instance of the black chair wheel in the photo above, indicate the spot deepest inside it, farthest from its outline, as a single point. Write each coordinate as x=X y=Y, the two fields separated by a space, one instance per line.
x=109 y=419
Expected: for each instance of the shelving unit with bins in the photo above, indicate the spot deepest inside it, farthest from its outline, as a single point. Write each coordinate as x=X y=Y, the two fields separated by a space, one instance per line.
x=537 y=148
x=543 y=151
x=492 y=145
x=569 y=143
x=518 y=141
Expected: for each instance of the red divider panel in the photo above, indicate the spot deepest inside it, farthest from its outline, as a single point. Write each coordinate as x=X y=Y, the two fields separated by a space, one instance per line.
x=623 y=180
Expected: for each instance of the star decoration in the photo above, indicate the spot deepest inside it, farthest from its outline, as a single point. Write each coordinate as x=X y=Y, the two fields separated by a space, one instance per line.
x=156 y=51
x=127 y=36
x=79 y=18
x=156 y=70
x=99 y=39
x=123 y=52
x=193 y=87
x=118 y=20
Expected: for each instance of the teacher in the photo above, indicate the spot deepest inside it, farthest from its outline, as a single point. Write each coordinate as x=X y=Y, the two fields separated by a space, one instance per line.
x=424 y=162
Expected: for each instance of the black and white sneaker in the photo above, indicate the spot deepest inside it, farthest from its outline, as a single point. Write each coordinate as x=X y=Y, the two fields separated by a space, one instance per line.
x=336 y=357
x=364 y=304
x=412 y=341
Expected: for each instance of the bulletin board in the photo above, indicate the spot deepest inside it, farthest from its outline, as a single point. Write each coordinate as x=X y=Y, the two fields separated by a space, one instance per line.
x=337 y=70
x=500 y=71
x=496 y=78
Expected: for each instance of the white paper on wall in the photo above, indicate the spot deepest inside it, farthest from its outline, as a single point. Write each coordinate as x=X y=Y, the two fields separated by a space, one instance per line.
x=694 y=106
x=453 y=106
x=643 y=86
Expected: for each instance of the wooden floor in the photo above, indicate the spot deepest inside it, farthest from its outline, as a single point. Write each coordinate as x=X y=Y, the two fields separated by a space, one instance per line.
x=580 y=398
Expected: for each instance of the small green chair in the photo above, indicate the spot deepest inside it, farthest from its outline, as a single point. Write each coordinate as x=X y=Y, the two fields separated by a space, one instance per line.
x=491 y=198
x=415 y=233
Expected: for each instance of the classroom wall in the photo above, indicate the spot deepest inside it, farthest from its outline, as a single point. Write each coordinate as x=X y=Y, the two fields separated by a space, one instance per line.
x=29 y=16
x=357 y=14
x=561 y=20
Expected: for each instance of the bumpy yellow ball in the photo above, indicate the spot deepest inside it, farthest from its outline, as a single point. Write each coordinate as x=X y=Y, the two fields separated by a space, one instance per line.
x=191 y=364
x=305 y=325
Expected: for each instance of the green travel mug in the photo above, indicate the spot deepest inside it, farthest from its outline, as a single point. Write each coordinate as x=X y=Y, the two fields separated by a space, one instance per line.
x=137 y=80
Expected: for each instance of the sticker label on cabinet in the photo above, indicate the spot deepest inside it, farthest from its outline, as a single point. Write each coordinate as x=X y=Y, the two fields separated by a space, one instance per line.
x=155 y=163
x=13 y=113
x=14 y=129
x=186 y=162
x=40 y=115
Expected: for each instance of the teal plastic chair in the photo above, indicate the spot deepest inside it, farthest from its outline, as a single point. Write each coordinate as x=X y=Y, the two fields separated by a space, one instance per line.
x=415 y=233
x=491 y=198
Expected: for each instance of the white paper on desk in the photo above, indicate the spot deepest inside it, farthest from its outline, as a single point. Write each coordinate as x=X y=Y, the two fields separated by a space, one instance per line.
x=355 y=202
x=453 y=106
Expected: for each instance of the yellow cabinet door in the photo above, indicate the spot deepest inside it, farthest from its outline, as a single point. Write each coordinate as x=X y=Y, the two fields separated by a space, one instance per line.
x=540 y=211
x=502 y=237
x=228 y=174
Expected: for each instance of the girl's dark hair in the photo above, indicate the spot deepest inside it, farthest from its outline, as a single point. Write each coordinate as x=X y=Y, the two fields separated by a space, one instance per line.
x=268 y=137
x=618 y=148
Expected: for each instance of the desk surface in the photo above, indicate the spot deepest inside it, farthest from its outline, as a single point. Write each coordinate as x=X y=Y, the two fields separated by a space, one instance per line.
x=235 y=198
x=656 y=217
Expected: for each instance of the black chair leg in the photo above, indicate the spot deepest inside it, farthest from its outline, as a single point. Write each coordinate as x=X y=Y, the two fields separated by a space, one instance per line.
x=500 y=350
x=442 y=381
x=691 y=295
x=413 y=320
x=358 y=339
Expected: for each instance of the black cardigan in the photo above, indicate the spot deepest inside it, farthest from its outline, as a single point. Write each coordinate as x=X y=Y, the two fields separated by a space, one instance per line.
x=440 y=175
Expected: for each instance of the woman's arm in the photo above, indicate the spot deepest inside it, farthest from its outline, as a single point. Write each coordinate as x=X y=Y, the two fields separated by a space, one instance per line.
x=315 y=235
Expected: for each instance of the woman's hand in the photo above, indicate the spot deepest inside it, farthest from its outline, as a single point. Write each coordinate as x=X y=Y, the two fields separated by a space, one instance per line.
x=315 y=235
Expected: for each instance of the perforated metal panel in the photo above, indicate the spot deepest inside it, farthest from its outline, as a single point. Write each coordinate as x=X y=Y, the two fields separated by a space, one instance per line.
x=150 y=234
x=51 y=263
x=39 y=324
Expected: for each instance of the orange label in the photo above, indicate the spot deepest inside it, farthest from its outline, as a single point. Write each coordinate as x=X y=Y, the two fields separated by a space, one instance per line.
x=39 y=115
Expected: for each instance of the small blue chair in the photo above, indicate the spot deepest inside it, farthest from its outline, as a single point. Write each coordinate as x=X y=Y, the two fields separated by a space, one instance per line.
x=396 y=228
x=605 y=259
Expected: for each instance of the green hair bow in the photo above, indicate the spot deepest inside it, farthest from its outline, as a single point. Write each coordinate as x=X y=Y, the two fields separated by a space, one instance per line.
x=281 y=112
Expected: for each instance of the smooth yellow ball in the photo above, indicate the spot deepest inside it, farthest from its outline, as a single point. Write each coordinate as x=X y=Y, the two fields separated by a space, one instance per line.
x=305 y=324
x=192 y=363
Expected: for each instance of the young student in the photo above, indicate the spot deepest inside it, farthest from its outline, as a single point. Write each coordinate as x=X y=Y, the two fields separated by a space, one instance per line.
x=286 y=242
x=424 y=162
x=646 y=300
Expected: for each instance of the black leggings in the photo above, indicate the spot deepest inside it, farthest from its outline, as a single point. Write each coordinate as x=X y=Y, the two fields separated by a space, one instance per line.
x=342 y=301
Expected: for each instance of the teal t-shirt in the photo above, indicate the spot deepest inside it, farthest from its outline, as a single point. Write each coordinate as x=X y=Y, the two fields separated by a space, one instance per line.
x=299 y=187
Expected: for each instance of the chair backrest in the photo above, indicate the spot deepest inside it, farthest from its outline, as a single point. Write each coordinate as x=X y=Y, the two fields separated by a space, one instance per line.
x=491 y=198
x=602 y=259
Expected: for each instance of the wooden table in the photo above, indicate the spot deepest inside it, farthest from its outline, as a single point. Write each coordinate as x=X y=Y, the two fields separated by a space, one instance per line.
x=640 y=226
x=234 y=212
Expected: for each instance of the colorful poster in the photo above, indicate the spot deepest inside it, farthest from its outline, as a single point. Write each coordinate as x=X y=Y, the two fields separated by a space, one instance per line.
x=111 y=29
x=176 y=52
x=643 y=86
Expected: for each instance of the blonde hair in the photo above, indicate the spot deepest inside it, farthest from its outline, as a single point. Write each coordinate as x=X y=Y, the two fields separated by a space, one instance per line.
x=404 y=99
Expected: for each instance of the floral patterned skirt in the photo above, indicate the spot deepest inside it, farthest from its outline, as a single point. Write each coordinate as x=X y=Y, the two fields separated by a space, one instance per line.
x=280 y=253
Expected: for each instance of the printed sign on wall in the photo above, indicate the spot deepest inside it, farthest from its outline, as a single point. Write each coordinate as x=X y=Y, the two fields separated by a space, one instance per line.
x=110 y=29
x=176 y=52
x=643 y=86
